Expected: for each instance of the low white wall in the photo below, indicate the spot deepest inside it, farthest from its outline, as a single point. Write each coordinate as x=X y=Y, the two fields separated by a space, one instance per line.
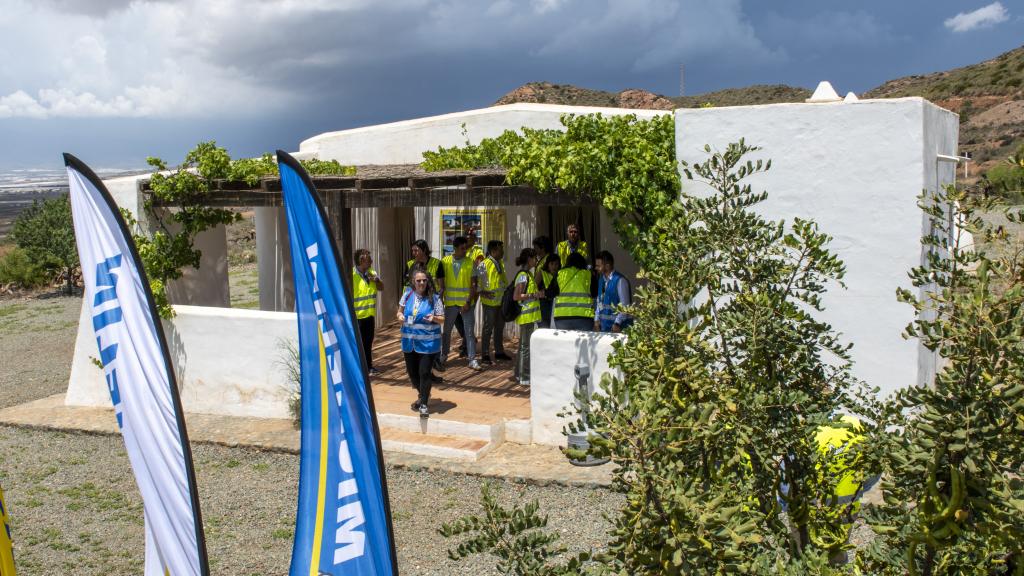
x=554 y=355
x=228 y=362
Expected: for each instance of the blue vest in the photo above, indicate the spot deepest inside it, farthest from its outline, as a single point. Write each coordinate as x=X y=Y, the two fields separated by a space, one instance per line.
x=607 y=300
x=420 y=336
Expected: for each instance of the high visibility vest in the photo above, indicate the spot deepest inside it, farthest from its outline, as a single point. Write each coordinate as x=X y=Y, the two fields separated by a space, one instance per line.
x=608 y=299
x=418 y=335
x=433 y=266
x=458 y=278
x=851 y=482
x=475 y=252
x=573 y=294
x=494 y=281
x=364 y=294
x=564 y=249
x=530 y=311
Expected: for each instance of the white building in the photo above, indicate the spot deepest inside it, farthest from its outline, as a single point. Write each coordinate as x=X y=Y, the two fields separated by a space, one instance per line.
x=855 y=167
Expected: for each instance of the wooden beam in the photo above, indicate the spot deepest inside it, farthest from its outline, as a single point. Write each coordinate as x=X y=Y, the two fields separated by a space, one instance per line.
x=481 y=190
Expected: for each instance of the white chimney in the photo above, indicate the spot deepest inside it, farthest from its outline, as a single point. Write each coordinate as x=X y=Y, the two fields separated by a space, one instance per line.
x=824 y=93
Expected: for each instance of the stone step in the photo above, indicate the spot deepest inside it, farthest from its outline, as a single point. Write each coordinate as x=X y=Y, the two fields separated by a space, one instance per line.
x=437 y=436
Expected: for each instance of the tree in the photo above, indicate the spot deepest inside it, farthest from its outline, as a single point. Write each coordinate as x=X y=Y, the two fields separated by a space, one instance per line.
x=47 y=234
x=954 y=451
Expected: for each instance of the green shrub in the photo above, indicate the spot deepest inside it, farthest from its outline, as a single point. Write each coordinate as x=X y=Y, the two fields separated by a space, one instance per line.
x=17 y=268
x=46 y=233
x=1006 y=180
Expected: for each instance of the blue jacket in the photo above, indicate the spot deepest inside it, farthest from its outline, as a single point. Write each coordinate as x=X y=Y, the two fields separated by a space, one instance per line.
x=421 y=336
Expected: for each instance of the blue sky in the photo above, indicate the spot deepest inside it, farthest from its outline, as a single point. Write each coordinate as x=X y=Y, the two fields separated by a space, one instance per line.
x=116 y=80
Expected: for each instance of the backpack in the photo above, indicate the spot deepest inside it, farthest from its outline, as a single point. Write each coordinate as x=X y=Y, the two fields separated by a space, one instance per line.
x=510 y=309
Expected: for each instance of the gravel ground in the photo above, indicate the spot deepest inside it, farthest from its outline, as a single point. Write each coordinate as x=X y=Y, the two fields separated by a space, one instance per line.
x=75 y=508
x=37 y=340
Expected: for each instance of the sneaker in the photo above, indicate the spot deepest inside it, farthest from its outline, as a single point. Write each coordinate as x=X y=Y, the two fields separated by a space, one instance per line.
x=436 y=379
x=486 y=359
x=415 y=406
x=374 y=372
x=424 y=411
x=474 y=365
x=524 y=383
x=502 y=356
x=440 y=365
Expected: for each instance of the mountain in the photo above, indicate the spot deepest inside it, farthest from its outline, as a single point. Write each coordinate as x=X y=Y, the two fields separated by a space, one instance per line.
x=989 y=96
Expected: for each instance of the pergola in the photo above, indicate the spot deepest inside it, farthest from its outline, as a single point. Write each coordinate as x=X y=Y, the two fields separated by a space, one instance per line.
x=390 y=186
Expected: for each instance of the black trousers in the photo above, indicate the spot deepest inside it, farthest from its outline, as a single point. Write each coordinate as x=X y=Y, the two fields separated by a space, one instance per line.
x=462 y=330
x=418 y=367
x=367 y=326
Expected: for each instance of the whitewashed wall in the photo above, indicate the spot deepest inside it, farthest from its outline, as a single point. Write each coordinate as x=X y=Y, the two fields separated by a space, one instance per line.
x=239 y=376
x=857 y=169
x=554 y=355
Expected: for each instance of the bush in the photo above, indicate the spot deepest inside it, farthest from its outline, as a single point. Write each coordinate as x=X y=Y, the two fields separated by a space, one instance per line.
x=953 y=452
x=17 y=268
x=46 y=232
x=1006 y=180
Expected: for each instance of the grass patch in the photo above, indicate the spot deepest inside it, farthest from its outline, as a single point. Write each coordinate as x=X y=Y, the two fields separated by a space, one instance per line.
x=11 y=310
x=90 y=496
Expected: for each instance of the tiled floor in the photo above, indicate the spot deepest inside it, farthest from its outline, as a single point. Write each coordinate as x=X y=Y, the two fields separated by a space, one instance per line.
x=465 y=395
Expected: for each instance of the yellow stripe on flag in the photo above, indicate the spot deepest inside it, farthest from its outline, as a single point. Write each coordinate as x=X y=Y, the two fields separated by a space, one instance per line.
x=6 y=546
x=321 y=493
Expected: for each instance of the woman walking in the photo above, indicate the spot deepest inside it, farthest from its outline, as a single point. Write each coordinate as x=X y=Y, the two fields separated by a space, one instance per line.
x=528 y=296
x=422 y=315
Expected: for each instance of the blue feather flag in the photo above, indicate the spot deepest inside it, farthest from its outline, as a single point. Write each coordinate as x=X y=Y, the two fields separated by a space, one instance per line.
x=343 y=523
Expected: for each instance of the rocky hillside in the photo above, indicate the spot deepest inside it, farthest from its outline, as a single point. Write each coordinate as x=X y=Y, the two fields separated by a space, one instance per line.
x=989 y=96
x=546 y=92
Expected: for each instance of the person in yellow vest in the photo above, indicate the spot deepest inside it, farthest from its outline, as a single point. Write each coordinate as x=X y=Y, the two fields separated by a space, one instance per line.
x=573 y=245
x=544 y=274
x=365 y=285
x=574 y=295
x=528 y=296
x=421 y=255
x=476 y=255
x=475 y=252
x=460 y=279
x=493 y=282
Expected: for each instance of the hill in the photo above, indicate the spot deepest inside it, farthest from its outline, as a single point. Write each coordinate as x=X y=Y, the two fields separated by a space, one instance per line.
x=989 y=96
x=546 y=92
